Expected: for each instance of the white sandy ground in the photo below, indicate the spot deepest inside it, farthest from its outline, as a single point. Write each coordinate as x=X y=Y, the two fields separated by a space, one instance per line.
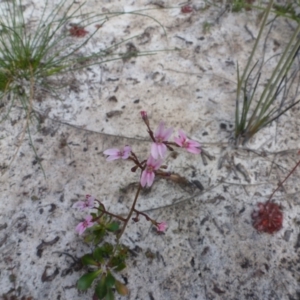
x=210 y=249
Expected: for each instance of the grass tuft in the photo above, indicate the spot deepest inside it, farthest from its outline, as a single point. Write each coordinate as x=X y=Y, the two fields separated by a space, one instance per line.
x=33 y=51
x=255 y=110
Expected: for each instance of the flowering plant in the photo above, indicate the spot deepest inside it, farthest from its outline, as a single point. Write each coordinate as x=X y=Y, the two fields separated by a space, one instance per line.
x=107 y=259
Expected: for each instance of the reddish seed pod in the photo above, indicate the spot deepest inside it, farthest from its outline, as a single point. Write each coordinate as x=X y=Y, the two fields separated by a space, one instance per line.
x=267 y=218
x=186 y=9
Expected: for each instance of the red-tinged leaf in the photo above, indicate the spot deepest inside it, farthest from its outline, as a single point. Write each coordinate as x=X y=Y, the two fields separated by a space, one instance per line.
x=121 y=288
x=86 y=280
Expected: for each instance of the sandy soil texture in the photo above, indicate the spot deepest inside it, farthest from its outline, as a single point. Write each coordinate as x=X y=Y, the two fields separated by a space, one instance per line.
x=210 y=249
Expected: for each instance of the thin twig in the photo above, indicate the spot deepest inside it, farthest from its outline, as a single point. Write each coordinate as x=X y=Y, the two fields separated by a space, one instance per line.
x=282 y=182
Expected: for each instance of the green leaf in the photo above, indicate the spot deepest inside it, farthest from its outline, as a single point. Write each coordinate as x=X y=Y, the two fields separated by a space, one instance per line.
x=121 y=288
x=101 y=288
x=118 y=261
x=94 y=215
x=108 y=248
x=99 y=230
x=88 y=260
x=110 y=280
x=98 y=254
x=86 y=280
x=120 y=267
x=113 y=226
x=98 y=239
x=88 y=238
x=103 y=252
x=109 y=295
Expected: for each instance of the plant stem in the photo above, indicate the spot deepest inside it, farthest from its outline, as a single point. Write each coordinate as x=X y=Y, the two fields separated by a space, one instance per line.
x=282 y=182
x=143 y=214
x=103 y=209
x=131 y=211
x=112 y=215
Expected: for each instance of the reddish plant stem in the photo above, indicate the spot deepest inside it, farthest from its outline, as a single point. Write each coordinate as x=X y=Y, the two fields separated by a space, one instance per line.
x=282 y=182
x=143 y=214
x=135 y=160
x=149 y=130
x=104 y=211
x=131 y=211
x=172 y=144
x=113 y=215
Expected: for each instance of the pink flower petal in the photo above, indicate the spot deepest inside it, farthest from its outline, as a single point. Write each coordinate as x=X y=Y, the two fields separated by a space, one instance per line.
x=178 y=141
x=189 y=145
x=82 y=226
x=194 y=143
x=112 y=157
x=150 y=178
x=126 y=152
x=113 y=151
x=150 y=160
x=157 y=164
x=162 y=150
x=161 y=227
x=90 y=201
x=193 y=150
x=154 y=150
x=182 y=134
x=116 y=153
x=79 y=204
x=144 y=178
x=168 y=133
x=148 y=174
x=162 y=134
x=160 y=129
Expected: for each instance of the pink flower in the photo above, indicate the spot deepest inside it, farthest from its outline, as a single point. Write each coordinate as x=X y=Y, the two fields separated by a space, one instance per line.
x=148 y=174
x=184 y=142
x=116 y=153
x=82 y=205
x=81 y=227
x=161 y=134
x=161 y=227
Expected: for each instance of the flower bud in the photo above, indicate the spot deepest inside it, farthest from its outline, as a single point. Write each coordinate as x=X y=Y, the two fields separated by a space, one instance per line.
x=133 y=169
x=145 y=117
